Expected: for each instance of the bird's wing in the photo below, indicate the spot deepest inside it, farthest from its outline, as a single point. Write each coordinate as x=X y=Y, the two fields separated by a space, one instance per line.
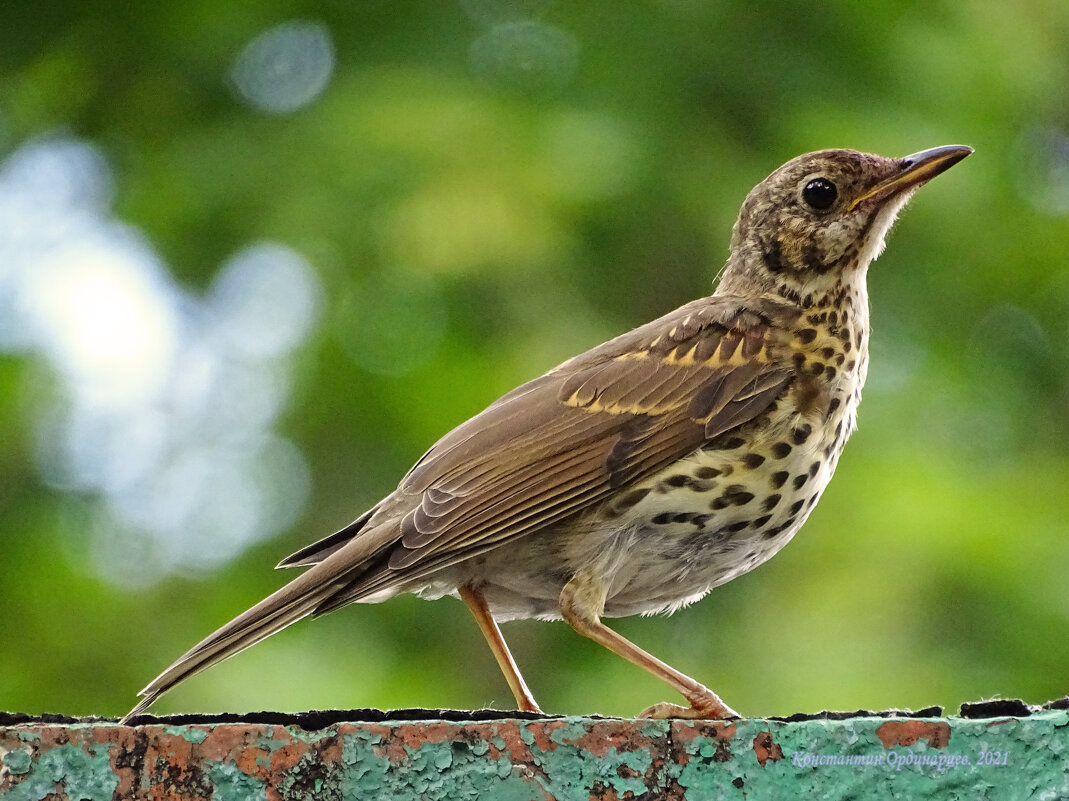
x=566 y=441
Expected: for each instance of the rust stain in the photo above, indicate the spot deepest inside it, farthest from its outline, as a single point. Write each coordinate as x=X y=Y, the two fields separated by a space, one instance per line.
x=723 y=730
x=542 y=734
x=221 y=742
x=683 y=733
x=600 y=737
x=287 y=756
x=766 y=748
x=253 y=761
x=174 y=750
x=907 y=732
x=414 y=735
x=330 y=752
x=518 y=751
x=391 y=743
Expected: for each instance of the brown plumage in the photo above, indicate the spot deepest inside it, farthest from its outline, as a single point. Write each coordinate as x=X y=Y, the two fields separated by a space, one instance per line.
x=637 y=476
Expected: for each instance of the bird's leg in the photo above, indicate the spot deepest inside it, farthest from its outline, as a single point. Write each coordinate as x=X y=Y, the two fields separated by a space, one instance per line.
x=477 y=604
x=581 y=603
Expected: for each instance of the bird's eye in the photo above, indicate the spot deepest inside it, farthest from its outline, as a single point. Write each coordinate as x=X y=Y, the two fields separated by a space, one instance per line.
x=820 y=193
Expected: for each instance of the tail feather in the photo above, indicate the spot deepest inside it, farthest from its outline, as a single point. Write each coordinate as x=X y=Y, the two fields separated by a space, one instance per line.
x=321 y=549
x=297 y=599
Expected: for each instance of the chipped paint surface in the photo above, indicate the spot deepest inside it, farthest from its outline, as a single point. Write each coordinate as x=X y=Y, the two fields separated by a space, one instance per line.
x=558 y=759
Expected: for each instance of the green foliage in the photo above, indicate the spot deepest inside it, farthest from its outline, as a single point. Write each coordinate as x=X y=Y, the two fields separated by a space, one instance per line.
x=484 y=188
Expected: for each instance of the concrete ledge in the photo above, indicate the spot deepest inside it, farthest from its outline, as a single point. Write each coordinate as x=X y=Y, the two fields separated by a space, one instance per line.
x=1001 y=750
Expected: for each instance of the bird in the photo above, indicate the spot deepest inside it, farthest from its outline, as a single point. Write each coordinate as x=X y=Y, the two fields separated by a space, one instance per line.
x=639 y=475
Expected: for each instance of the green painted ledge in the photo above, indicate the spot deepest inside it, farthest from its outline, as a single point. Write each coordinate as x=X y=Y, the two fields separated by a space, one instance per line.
x=996 y=750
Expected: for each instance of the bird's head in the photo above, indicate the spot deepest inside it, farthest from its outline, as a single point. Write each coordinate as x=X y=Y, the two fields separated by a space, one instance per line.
x=822 y=217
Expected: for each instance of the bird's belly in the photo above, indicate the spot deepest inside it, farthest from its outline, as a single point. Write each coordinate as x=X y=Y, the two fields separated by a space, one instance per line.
x=694 y=530
x=665 y=542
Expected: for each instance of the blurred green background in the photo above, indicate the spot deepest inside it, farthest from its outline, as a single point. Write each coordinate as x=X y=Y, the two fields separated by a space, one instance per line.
x=255 y=258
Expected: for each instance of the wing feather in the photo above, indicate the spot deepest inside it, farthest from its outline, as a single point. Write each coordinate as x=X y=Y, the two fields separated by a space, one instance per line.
x=598 y=422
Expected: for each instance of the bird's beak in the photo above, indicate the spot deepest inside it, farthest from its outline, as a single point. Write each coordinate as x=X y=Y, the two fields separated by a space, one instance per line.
x=915 y=170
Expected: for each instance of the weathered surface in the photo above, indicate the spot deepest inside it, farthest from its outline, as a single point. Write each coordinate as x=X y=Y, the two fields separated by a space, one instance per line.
x=876 y=757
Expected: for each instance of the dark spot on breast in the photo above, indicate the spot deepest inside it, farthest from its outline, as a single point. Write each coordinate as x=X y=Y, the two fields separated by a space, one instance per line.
x=780 y=450
x=834 y=404
x=706 y=472
x=830 y=372
x=813 y=468
x=809 y=504
x=839 y=359
x=682 y=517
x=801 y=434
x=662 y=519
x=789 y=292
x=627 y=500
x=816 y=368
x=775 y=530
x=760 y=521
x=678 y=480
x=735 y=527
x=846 y=345
x=797 y=506
x=700 y=520
x=799 y=360
x=806 y=335
x=735 y=494
x=753 y=460
x=771 y=501
x=799 y=481
x=779 y=479
x=827 y=353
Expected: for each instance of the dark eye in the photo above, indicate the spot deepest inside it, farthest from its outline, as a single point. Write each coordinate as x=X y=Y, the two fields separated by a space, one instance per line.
x=820 y=193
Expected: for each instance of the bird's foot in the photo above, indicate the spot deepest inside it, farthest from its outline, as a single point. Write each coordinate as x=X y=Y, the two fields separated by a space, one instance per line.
x=705 y=708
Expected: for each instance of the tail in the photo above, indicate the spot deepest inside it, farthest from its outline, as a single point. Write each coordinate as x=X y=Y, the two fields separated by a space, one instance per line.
x=298 y=599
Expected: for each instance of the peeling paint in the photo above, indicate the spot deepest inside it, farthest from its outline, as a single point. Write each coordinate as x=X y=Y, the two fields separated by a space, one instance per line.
x=232 y=784
x=17 y=761
x=542 y=759
x=765 y=748
x=79 y=775
x=190 y=734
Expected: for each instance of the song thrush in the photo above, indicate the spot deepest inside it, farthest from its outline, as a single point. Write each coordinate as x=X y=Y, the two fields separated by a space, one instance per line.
x=639 y=475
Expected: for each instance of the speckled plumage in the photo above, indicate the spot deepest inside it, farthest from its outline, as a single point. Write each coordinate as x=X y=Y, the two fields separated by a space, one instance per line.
x=637 y=476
